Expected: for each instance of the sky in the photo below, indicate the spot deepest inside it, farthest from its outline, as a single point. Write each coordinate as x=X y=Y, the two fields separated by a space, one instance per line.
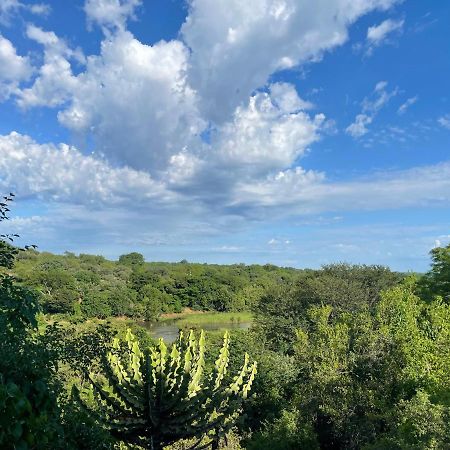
x=290 y=132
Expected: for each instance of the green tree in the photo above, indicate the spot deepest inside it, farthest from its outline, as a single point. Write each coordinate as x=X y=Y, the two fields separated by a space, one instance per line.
x=437 y=280
x=133 y=259
x=157 y=397
x=359 y=370
x=29 y=416
x=346 y=288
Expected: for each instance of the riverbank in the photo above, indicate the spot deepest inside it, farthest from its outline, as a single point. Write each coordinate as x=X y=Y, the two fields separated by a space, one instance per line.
x=168 y=325
x=196 y=318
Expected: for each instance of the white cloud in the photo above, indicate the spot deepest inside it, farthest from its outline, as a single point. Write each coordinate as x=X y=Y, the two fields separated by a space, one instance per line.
x=380 y=34
x=40 y=9
x=298 y=192
x=227 y=249
x=135 y=101
x=277 y=242
x=371 y=105
x=269 y=133
x=13 y=68
x=285 y=96
x=7 y=9
x=379 y=98
x=262 y=138
x=377 y=34
x=444 y=121
x=276 y=190
x=55 y=80
x=62 y=173
x=10 y=8
x=141 y=103
x=409 y=102
x=110 y=13
x=93 y=194
x=236 y=45
x=138 y=104
x=359 y=127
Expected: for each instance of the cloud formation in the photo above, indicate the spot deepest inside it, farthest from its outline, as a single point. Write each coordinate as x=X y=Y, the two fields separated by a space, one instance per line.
x=13 y=68
x=408 y=103
x=378 y=35
x=9 y=9
x=237 y=45
x=193 y=129
x=110 y=15
x=64 y=174
x=371 y=105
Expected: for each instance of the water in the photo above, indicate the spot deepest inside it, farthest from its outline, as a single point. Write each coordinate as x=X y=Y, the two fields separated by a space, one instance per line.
x=169 y=330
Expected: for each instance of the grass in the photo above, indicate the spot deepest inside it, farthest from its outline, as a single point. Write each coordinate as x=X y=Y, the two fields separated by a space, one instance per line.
x=186 y=319
x=202 y=318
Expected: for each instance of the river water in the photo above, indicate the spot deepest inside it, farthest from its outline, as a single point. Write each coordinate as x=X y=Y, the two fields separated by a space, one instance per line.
x=169 y=330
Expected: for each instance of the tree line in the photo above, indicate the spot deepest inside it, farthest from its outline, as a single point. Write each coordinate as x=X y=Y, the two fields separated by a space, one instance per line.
x=86 y=286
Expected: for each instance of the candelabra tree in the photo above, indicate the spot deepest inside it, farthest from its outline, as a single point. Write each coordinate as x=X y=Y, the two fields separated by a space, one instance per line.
x=155 y=397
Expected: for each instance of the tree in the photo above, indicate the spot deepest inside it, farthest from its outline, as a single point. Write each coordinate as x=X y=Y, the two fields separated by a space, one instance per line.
x=28 y=410
x=133 y=259
x=437 y=280
x=359 y=373
x=346 y=288
x=156 y=397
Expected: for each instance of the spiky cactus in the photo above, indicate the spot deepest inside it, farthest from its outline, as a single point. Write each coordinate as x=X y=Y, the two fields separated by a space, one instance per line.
x=157 y=397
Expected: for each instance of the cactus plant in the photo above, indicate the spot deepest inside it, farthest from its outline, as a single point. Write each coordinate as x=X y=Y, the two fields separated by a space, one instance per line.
x=156 y=397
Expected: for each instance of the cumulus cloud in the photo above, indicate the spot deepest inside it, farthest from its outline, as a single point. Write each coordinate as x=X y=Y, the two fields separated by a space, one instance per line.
x=55 y=80
x=270 y=133
x=264 y=136
x=237 y=45
x=13 y=68
x=135 y=102
x=371 y=105
x=133 y=99
x=64 y=174
x=144 y=105
x=409 y=102
x=110 y=14
x=147 y=109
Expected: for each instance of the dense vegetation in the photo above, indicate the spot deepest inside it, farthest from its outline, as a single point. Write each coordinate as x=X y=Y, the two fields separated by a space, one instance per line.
x=91 y=286
x=349 y=357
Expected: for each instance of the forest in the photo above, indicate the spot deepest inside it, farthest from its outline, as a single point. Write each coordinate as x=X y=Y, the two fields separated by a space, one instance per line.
x=343 y=357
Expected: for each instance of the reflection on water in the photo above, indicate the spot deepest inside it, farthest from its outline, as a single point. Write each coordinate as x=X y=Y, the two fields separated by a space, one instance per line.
x=169 y=330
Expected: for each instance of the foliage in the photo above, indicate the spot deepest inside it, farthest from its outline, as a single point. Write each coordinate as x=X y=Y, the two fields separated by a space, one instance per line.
x=360 y=373
x=132 y=259
x=349 y=357
x=95 y=287
x=157 y=397
x=346 y=288
x=437 y=281
x=28 y=411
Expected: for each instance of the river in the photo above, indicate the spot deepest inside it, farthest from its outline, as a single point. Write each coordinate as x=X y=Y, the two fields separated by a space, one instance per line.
x=168 y=330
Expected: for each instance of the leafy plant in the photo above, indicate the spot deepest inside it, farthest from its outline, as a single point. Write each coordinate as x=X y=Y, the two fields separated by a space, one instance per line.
x=28 y=410
x=156 y=397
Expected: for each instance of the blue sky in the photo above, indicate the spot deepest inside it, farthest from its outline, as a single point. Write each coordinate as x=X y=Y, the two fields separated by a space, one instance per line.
x=290 y=132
